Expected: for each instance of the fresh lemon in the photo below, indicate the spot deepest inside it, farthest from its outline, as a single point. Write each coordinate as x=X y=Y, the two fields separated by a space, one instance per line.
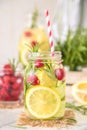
x=61 y=111
x=42 y=39
x=24 y=56
x=79 y=92
x=61 y=85
x=46 y=79
x=29 y=36
x=26 y=40
x=42 y=102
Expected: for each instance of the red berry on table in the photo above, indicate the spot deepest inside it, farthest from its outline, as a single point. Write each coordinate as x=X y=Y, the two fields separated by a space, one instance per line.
x=15 y=98
x=16 y=86
x=13 y=79
x=39 y=63
x=19 y=80
x=7 y=86
x=7 y=79
x=2 y=73
x=7 y=66
x=1 y=81
x=60 y=73
x=33 y=79
x=15 y=95
x=4 y=96
x=34 y=43
x=8 y=69
x=11 y=83
x=28 y=34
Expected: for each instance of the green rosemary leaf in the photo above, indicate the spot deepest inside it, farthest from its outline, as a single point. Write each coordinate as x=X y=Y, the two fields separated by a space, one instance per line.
x=17 y=126
x=34 y=18
x=36 y=47
x=74 y=49
x=14 y=64
x=63 y=98
x=82 y=108
x=71 y=120
x=47 y=66
x=50 y=73
x=47 y=70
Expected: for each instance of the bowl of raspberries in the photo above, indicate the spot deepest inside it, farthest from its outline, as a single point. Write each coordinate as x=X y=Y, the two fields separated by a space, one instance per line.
x=11 y=83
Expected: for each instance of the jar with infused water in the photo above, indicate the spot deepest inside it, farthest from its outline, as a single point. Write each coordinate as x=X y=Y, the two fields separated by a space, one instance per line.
x=33 y=38
x=44 y=86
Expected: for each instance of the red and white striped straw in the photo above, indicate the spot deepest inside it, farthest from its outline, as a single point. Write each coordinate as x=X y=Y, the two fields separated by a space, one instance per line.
x=50 y=35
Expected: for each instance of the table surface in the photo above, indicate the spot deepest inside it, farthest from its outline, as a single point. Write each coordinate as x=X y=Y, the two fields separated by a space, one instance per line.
x=8 y=118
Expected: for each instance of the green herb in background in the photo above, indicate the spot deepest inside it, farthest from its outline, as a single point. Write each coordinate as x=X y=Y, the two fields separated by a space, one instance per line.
x=17 y=126
x=81 y=108
x=14 y=64
x=74 y=49
x=34 y=18
x=71 y=121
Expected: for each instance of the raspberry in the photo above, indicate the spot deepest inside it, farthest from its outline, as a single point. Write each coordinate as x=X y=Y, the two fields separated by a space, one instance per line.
x=13 y=79
x=8 y=69
x=1 y=81
x=28 y=34
x=15 y=94
x=39 y=63
x=6 y=86
x=7 y=79
x=16 y=86
x=33 y=79
x=4 y=96
x=1 y=73
x=60 y=73
x=19 y=80
x=34 y=43
x=7 y=66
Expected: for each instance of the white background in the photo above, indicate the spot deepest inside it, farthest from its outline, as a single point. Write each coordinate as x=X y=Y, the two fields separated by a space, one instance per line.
x=12 y=15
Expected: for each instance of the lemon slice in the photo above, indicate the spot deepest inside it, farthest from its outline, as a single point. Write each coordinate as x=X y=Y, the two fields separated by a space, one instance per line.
x=42 y=102
x=24 y=56
x=42 y=39
x=48 y=80
x=61 y=111
x=79 y=92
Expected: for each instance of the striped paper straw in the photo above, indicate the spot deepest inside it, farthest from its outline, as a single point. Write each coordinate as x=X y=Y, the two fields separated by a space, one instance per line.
x=51 y=42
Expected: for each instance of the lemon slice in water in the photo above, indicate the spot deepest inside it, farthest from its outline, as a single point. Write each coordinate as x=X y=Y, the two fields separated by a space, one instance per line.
x=42 y=102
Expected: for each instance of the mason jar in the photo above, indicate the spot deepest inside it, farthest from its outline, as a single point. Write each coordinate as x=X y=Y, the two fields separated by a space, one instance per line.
x=33 y=37
x=44 y=86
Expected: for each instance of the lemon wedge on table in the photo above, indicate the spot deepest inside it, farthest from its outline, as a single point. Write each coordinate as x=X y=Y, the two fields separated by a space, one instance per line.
x=42 y=102
x=79 y=92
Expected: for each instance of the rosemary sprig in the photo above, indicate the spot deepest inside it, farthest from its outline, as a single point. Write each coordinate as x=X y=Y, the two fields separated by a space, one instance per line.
x=50 y=71
x=81 y=108
x=34 y=18
x=36 y=47
x=33 y=48
x=69 y=47
x=17 y=126
x=13 y=64
x=71 y=120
